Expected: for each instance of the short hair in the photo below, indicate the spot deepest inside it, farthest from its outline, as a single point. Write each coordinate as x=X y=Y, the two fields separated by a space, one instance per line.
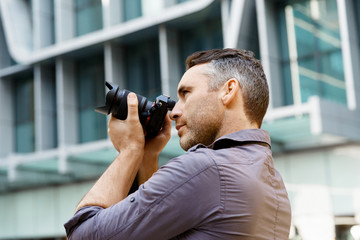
x=225 y=64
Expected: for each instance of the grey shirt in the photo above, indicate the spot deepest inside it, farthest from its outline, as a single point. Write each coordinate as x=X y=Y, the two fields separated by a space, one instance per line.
x=228 y=190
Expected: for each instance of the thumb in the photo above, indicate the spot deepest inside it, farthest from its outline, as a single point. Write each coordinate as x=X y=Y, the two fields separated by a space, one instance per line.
x=132 y=102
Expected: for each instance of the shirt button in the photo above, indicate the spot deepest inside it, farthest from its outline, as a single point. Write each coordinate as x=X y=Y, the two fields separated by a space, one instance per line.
x=132 y=199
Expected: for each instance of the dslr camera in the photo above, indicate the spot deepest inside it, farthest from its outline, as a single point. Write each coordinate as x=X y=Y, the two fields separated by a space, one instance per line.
x=151 y=114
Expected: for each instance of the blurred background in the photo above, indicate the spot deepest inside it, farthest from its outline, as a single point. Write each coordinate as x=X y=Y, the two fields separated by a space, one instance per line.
x=56 y=54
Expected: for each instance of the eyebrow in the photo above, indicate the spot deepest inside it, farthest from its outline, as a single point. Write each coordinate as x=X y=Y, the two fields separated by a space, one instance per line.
x=182 y=88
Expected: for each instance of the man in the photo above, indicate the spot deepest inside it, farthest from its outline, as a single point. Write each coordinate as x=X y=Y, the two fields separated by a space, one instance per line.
x=224 y=187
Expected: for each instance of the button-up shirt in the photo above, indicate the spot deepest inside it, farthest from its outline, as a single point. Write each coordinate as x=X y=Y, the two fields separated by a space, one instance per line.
x=228 y=190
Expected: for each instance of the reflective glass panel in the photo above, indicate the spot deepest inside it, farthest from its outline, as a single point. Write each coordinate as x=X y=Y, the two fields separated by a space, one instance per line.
x=142 y=66
x=51 y=16
x=91 y=94
x=50 y=106
x=357 y=15
x=206 y=36
x=311 y=51
x=131 y=9
x=88 y=14
x=5 y=58
x=23 y=92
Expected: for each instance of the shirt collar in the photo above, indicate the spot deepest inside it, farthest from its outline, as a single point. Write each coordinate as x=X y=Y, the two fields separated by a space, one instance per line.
x=238 y=138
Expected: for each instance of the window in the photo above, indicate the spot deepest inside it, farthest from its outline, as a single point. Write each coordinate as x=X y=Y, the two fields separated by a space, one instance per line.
x=91 y=94
x=206 y=37
x=142 y=64
x=357 y=15
x=50 y=15
x=132 y=9
x=5 y=59
x=23 y=92
x=88 y=16
x=311 y=51
x=50 y=107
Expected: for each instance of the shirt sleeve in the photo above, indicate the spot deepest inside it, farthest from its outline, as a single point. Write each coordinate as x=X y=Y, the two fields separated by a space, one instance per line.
x=80 y=216
x=180 y=196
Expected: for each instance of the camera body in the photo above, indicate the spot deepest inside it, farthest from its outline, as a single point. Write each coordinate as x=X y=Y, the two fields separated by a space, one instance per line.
x=151 y=114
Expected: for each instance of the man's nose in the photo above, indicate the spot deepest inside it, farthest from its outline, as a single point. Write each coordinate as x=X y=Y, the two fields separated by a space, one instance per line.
x=175 y=112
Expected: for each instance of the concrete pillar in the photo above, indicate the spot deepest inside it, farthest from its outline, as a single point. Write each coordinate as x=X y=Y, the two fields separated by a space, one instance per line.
x=350 y=52
x=43 y=20
x=64 y=20
x=112 y=12
x=114 y=64
x=270 y=56
x=66 y=103
x=235 y=17
x=17 y=25
x=169 y=61
x=67 y=114
x=5 y=59
x=45 y=107
x=6 y=118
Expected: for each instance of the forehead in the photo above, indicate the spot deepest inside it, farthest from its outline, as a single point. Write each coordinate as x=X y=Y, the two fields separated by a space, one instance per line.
x=196 y=76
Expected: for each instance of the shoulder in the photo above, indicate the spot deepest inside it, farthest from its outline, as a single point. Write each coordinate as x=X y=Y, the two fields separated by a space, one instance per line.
x=187 y=173
x=192 y=162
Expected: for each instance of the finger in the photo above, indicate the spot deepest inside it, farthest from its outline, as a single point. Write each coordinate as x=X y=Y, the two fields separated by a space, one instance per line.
x=112 y=119
x=132 y=102
x=167 y=123
x=166 y=129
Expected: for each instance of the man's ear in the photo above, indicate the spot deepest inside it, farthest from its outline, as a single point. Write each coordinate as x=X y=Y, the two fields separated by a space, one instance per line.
x=230 y=89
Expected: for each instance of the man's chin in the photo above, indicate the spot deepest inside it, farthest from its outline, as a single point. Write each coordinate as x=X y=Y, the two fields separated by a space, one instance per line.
x=184 y=144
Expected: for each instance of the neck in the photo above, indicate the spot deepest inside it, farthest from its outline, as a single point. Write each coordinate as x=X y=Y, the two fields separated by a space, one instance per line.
x=235 y=122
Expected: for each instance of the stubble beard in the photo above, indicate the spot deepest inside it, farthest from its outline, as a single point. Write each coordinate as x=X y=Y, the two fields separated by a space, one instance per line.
x=202 y=128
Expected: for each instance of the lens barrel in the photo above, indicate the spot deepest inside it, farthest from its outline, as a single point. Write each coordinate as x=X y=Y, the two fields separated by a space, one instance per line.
x=120 y=109
x=151 y=114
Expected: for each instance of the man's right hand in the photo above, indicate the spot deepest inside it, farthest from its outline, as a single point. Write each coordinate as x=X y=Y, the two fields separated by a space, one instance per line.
x=127 y=134
x=152 y=150
x=128 y=138
x=154 y=146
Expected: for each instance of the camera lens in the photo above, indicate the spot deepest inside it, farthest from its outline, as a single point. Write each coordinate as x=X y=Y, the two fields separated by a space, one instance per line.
x=116 y=103
x=120 y=108
x=151 y=114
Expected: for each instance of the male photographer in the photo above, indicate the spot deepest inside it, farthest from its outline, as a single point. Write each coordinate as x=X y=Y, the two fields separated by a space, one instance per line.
x=224 y=187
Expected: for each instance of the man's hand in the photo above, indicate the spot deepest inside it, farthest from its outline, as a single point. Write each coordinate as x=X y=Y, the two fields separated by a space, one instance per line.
x=154 y=146
x=128 y=138
x=127 y=134
x=152 y=150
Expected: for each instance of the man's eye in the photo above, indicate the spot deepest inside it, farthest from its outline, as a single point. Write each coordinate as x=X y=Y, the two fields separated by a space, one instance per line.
x=185 y=92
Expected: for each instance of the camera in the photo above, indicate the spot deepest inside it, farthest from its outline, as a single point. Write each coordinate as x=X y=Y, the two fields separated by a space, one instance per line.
x=151 y=114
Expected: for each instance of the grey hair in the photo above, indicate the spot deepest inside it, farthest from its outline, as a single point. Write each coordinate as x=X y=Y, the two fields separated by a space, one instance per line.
x=249 y=73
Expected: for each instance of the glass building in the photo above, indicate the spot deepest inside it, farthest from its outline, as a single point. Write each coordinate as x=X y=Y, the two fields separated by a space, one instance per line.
x=55 y=56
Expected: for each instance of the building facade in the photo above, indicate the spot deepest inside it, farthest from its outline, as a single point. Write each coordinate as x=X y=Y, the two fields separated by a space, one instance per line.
x=56 y=54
